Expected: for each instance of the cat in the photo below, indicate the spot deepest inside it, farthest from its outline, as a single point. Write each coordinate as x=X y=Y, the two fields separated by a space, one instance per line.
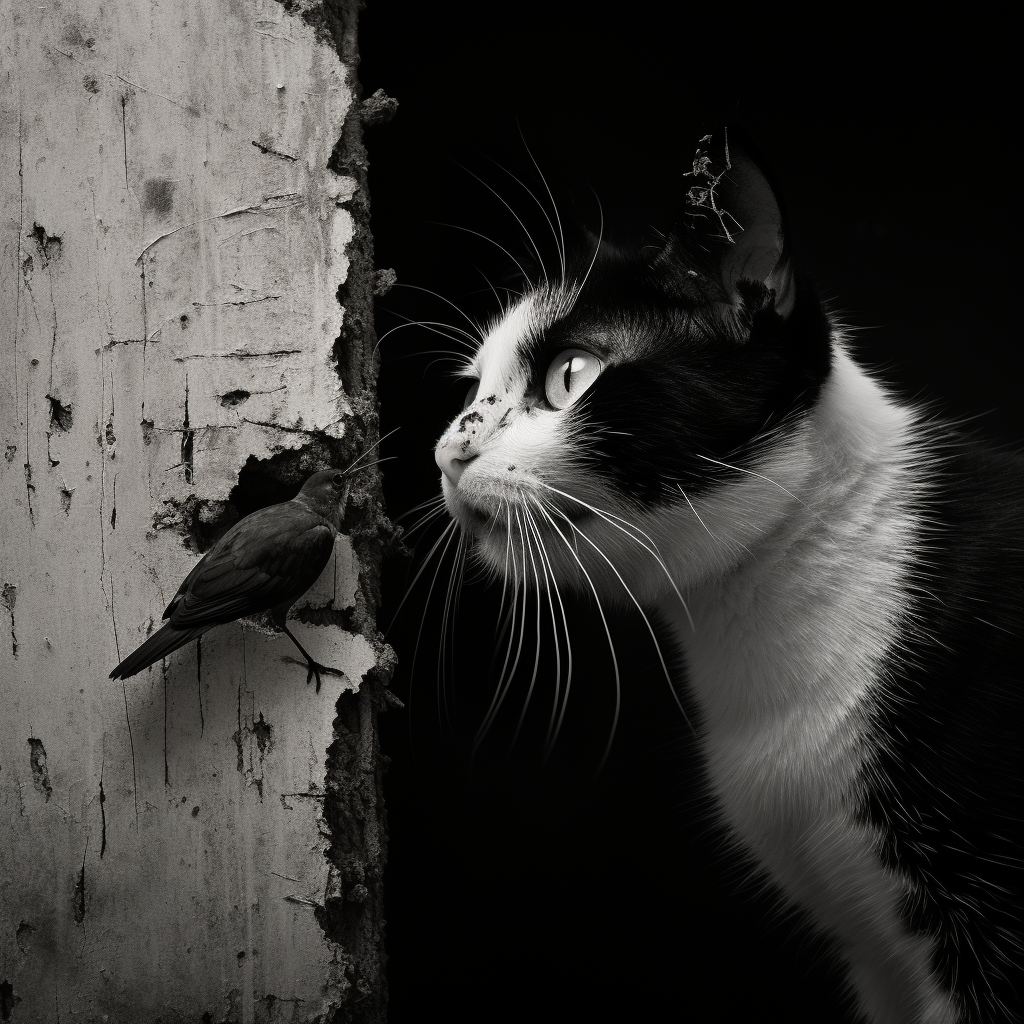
x=681 y=429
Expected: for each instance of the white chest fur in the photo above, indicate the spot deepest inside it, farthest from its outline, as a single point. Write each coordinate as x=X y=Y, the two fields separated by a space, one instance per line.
x=784 y=653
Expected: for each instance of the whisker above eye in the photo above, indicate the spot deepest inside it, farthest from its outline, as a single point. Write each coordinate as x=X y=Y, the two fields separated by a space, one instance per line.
x=597 y=248
x=559 y=241
x=516 y=217
x=459 y=337
x=486 y=238
x=476 y=333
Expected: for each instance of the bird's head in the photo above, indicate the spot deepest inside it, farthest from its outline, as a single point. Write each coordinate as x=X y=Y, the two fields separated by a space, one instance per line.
x=325 y=493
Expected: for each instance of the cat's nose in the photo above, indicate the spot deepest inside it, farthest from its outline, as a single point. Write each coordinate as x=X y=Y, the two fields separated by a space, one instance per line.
x=449 y=464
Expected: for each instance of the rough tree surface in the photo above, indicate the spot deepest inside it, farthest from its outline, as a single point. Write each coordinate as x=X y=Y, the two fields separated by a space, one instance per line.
x=184 y=326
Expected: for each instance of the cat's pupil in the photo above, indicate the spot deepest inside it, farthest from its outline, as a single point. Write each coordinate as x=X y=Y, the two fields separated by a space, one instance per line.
x=471 y=394
x=572 y=366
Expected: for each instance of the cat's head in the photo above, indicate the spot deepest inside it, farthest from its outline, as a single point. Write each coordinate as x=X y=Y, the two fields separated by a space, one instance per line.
x=626 y=416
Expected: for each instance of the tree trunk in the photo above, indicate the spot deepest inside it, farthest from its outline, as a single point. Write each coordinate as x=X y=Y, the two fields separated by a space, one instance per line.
x=186 y=332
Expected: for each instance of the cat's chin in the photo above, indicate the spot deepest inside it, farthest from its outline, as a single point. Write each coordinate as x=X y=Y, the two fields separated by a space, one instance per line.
x=498 y=519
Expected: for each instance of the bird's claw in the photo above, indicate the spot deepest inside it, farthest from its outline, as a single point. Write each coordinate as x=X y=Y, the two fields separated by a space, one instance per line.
x=313 y=669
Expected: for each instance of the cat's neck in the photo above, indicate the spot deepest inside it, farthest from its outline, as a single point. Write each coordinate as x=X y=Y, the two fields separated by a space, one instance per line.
x=794 y=629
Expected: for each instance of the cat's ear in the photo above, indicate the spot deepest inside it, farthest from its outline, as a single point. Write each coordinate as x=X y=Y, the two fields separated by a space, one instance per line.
x=730 y=227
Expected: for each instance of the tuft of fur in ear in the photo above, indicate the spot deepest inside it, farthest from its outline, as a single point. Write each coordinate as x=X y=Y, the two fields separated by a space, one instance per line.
x=730 y=230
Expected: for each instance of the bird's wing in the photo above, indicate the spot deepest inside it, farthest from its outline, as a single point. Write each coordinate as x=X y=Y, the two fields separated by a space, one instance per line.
x=271 y=557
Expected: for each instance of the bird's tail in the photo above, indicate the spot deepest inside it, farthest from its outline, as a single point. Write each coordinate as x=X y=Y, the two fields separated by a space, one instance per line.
x=159 y=645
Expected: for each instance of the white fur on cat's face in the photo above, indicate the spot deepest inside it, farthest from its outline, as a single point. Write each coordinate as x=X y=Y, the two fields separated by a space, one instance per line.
x=504 y=451
x=514 y=477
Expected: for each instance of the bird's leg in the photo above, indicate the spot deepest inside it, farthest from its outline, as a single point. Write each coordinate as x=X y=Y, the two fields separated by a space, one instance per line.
x=314 y=668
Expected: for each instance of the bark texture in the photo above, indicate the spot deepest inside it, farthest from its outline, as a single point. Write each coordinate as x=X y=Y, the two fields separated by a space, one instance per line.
x=186 y=334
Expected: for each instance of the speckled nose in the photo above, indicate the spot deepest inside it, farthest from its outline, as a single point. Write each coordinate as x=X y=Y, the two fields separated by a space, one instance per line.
x=450 y=463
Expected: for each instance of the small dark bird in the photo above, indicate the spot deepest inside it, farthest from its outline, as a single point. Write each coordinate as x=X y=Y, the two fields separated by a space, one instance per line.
x=266 y=561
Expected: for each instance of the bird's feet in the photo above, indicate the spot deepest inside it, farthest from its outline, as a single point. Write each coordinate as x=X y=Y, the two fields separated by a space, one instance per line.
x=314 y=668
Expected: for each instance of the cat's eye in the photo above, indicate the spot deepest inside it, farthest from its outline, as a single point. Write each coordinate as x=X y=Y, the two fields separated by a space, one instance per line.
x=471 y=394
x=569 y=375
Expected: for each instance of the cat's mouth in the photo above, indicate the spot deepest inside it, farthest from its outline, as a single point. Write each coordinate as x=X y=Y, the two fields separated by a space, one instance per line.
x=510 y=517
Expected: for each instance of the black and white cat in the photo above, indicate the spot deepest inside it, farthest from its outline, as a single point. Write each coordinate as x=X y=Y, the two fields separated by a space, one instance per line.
x=682 y=429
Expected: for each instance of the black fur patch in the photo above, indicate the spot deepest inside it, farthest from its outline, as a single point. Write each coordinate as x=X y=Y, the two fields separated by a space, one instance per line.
x=946 y=789
x=684 y=383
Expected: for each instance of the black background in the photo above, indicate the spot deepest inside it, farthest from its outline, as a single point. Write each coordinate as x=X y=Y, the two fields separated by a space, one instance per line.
x=524 y=890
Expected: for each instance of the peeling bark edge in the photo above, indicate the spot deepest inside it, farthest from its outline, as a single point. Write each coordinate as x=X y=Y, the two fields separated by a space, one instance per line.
x=353 y=912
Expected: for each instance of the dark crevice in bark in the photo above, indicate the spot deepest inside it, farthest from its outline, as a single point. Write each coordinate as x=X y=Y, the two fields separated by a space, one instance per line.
x=352 y=915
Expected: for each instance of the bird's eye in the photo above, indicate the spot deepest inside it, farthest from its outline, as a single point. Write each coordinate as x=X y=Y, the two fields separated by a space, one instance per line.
x=338 y=479
x=569 y=375
x=471 y=395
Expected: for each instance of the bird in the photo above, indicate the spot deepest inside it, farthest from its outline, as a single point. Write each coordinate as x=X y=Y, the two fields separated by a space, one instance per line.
x=265 y=562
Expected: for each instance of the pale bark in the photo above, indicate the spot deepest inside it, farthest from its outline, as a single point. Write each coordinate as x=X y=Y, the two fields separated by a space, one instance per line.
x=172 y=244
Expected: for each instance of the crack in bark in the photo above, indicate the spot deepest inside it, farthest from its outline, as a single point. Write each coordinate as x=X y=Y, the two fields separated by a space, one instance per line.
x=291 y=430
x=9 y=595
x=29 y=486
x=37 y=762
x=187 y=440
x=131 y=746
x=273 y=152
x=240 y=355
x=79 y=901
x=124 y=135
x=103 y=811
x=268 y=204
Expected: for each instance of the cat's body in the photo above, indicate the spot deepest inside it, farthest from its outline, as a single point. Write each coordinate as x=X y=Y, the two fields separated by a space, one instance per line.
x=684 y=430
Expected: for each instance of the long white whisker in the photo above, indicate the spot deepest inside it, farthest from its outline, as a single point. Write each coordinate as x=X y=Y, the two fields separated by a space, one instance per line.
x=379 y=440
x=424 y=521
x=607 y=633
x=694 y=511
x=552 y=585
x=529 y=237
x=651 y=548
x=475 y=333
x=554 y=206
x=426 y=605
x=750 y=472
x=593 y=260
x=451 y=529
x=448 y=619
x=459 y=335
x=459 y=227
x=377 y=462
x=536 y=658
x=540 y=205
x=505 y=681
x=643 y=614
x=436 y=503
x=505 y=577
x=467 y=340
